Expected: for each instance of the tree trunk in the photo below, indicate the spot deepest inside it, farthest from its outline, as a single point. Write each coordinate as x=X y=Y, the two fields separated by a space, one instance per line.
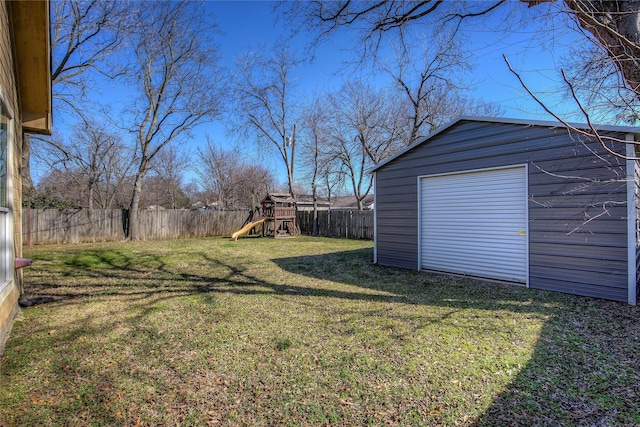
x=90 y=196
x=314 y=225
x=292 y=162
x=616 y=24
x=290 y=179
x=134 y=226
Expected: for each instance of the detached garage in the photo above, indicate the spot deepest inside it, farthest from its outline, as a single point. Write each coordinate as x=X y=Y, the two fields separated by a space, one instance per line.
x=514 y=201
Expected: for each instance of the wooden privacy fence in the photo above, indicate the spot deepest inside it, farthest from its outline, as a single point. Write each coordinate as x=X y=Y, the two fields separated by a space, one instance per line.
x=51 y=226
x=349 y=224
x=181 y=224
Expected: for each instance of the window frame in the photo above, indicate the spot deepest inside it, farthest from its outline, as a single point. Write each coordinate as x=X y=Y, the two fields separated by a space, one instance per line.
x=6 y=213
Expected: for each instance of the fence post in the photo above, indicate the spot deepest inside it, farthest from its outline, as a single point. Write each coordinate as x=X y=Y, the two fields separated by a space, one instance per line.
x=29 y=226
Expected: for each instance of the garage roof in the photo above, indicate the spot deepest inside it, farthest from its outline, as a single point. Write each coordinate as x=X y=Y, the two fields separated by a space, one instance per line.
x=553 y=124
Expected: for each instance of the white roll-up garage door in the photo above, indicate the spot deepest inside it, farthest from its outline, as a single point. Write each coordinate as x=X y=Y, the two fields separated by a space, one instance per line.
x=475 y=223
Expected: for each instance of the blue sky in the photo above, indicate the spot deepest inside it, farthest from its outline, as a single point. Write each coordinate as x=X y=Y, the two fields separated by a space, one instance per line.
x=533 y=50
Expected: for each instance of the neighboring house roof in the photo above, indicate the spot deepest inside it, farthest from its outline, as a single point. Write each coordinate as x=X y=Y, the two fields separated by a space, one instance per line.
x=553 y=124
x=320 y=203
x=345 y=202
x=32 y=50
x=305 y=199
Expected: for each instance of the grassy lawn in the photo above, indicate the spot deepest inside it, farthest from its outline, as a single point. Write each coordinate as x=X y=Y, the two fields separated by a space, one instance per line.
x=304 y=331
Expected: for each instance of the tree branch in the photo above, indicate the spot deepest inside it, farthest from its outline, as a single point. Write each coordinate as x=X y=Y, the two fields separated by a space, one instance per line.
x=594 y=134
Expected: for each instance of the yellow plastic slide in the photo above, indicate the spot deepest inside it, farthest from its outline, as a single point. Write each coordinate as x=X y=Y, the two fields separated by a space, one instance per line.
x=246 y=228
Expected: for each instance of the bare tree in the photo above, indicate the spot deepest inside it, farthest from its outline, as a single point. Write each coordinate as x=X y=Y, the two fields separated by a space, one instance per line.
x=431 y=84
x=169 y=166
x=163 y=193
x=616 y=27
x=353 y=160
x=602 y=75
x=427 y=87
x=253 y=183
x=60 y=188
x=263 y=89
x=236 y=184
x=314 y=142
x=604 y=78
x=333 y=176
x=104 y=154
x=216 y=169
x=379 y=18
x=613 y=27
x=177 y=78
x=363 y=131
x=84 y=36
x=94 y=159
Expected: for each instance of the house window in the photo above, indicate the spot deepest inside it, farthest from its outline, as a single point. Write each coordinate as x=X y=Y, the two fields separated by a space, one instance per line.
x=5 y=255
x=4 y=122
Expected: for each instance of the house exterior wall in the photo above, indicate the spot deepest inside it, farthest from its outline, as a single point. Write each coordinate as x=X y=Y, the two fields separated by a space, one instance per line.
x=576 y=201
x=10 y=292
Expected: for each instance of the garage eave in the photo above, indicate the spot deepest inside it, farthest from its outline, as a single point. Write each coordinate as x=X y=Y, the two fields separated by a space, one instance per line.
x=32 y=53
x=525 y=122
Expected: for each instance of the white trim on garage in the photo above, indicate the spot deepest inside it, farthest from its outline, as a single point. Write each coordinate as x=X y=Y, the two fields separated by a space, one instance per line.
x=375 y=219
x=475 y=223
x=632 y=238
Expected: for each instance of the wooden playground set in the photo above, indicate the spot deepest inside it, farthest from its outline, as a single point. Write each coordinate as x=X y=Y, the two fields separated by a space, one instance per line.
x=276 y=215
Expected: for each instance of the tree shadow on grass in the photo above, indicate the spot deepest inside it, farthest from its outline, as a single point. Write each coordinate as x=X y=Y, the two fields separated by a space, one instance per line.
x=584 y=369
x=124 y=275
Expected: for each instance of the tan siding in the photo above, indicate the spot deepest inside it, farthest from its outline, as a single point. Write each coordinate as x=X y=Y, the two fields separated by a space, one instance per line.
x=5 y=47
x=10 y=293
x=8 y=310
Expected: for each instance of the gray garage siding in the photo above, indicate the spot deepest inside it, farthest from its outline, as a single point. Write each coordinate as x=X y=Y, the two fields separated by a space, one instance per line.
x=637 y=193
x=577 y=202
x=396 y=220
